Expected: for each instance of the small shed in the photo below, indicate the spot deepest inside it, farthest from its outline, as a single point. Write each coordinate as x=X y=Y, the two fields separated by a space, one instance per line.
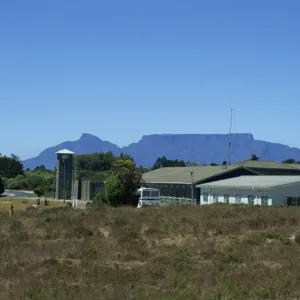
x=255 y=190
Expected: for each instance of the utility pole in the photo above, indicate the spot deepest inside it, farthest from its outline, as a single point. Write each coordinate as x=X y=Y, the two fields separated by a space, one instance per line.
x=75 y=177
x=192 y=185
x=229 y=145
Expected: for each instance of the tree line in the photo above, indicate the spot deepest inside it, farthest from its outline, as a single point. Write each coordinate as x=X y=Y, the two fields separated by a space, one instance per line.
x=121 y=174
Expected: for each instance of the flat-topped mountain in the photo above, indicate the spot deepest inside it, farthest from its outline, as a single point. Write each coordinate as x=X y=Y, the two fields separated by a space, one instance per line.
x=199 y=148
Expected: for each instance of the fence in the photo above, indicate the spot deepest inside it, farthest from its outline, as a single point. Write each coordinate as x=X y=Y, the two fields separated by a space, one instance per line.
x=175 y=201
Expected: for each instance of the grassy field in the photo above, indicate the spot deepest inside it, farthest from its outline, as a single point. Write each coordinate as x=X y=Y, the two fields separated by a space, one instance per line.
x=210 y=253
x=19 y=203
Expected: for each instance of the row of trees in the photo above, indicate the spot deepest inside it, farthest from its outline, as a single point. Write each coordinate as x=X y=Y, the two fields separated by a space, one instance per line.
x=121 y=174
x=163 y=162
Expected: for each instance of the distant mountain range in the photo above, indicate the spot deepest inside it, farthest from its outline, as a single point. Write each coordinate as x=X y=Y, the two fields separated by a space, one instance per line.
x=199 y=148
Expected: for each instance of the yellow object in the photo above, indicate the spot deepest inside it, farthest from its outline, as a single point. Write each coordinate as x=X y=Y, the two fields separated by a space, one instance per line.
x=11 y=211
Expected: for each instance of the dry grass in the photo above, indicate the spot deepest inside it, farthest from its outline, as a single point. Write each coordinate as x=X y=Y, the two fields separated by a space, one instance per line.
x=210 y=253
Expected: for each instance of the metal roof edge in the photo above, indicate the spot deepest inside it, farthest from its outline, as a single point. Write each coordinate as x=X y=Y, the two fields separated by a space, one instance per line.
x=225 y=172
x=161 y=182
x=250 y=187
x=284 y=185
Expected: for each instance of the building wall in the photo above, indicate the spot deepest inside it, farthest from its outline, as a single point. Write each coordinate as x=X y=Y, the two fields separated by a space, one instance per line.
x=280 y=195
x=173 y=190
x=184 y=190
x=90 y=189
x=276 y=196
x=232 y=196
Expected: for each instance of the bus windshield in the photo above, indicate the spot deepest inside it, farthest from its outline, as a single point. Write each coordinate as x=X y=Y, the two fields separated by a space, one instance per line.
x=146 y=193
x=154 y=194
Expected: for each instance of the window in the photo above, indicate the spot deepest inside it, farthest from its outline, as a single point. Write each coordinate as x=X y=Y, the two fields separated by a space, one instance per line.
x=205 y=197
x=215 y=198
x=146 y=193
x=154 y=194
x=264 y=200
x=251 y=199
x=292 y=201
x=238 y=199
x=226 y=198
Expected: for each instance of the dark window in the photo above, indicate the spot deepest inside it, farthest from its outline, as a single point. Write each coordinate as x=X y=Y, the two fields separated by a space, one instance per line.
x=154 y=194
x=215 y=198
x=251 y=199
x=264 y=200
x=226 y=198
x=146 y=194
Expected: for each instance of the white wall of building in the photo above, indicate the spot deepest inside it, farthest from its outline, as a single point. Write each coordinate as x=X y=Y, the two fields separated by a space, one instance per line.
x=236 y=196
x=275 y=196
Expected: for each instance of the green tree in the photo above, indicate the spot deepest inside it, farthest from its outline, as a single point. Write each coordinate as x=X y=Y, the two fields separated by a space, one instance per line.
x=10 y=167
x=39 y=191
x=213 y=164
x=35 y=181
x=121 y=186
x=114 y=190
x=2 y=188
x=40 y=168
x=290 y=161
x=163 y=162
x=254 y=157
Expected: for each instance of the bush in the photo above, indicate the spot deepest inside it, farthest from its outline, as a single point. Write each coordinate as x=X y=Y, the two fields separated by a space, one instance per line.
x=99 y=201
x=113 y=190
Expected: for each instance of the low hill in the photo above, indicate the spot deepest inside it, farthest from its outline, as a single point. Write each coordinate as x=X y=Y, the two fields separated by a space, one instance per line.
x=199 y=148
x=211 y=252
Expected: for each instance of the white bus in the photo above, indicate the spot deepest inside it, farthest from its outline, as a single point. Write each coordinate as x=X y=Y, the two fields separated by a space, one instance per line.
x=148 y=196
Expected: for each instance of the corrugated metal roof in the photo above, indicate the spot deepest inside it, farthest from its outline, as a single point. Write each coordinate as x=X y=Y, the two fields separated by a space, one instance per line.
x=182 y=174
x=297 y=166
x=256 y=164
x=65 y=151
x=252 y=182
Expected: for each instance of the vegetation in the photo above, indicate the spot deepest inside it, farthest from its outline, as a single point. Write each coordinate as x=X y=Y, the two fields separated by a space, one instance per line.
x=254 y=157
x=19 y=203
x=291 y=161
x=10 y=167
x=121 y=173
x=2 y=188
x=122 y=184
x=163 y=162
x=208 y=252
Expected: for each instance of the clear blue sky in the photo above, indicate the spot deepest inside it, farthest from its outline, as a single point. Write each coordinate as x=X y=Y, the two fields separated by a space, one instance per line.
x=123 y=69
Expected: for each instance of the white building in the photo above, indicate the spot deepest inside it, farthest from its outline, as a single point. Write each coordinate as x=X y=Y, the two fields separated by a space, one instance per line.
x=261 y=190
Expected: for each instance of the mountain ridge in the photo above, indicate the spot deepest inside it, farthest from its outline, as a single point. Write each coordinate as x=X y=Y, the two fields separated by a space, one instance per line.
x=199 y=148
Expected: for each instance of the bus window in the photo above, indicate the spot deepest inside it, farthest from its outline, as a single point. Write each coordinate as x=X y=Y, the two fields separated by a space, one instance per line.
x=154 y=194
x=146 y=193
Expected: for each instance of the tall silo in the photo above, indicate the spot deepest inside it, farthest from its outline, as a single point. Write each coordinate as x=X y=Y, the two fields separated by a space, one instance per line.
x=64 y=174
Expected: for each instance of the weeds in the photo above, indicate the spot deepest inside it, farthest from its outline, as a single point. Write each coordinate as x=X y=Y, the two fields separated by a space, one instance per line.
x=213 y=252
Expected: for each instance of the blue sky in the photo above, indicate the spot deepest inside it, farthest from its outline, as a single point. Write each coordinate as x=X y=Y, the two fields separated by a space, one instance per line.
x=123 y=69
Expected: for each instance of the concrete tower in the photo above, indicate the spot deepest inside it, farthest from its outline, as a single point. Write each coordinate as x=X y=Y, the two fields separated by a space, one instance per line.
x=64 y=174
